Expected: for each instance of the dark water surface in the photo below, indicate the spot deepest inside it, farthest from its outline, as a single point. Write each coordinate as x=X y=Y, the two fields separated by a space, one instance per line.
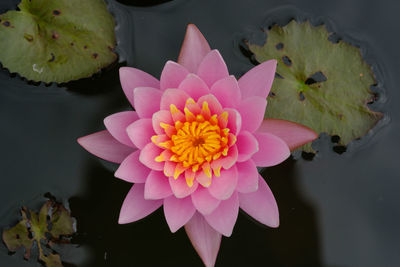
x=336 y=210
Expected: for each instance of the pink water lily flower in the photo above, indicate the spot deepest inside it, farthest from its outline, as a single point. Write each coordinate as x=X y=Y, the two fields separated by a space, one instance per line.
x=194 y=142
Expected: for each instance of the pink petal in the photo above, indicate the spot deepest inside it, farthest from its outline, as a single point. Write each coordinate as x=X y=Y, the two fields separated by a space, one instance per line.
x=248 y=177
x=227 y=91
x=222 y=187
x=194 y=86
x=135 y=207
x=258 y=80
x=131 y=78
x=252 y=110
x=231 y=158
x=117 y=123
x=172 y=75
x=147 y=101
x=174 y=96
x=132 y=170
x=261 y=205
x=234 y=120
x=224 y=217
x=247 y=145
x=272 y=150
x=162 y=116
x=212 y=68
x=103 y=145
x=148 y=154
x=140 y=132
x=204 y=202
x=178 y=211
x=213 y=103
x=294 y=134
x=180 y=187
x=157 y=186
x=194 y=48
x=205 y=240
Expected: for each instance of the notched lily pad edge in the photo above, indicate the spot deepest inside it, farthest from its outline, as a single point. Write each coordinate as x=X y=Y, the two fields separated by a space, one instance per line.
x=115 y=50
x=284 y=15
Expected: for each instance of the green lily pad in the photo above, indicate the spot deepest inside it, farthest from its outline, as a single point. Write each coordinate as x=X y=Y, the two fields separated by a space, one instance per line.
x=49 y=227
x=320 y=84
x=57 y=41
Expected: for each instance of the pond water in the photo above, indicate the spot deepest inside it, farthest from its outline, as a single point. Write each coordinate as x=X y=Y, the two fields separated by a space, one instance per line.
x=335 y=210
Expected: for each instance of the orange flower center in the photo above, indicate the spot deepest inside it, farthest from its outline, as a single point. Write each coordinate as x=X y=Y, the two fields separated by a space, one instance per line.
x=195 y=141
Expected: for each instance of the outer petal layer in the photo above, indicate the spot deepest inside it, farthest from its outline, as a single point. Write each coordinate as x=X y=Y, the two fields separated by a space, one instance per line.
x=194 y=48
x=157 y=186
x=103 y=145
x=224 y=217
x=147 y=101
x=272 y=150
x=132 y=170
x=258 y=80
x=117 y=123
x=178 y=211
x=248 y=177
x=261 y=205
x=247 y=145
x=212 y=68
x=132 y=78
x=135 y=207
x=205 y=240
x=204 y=202
x=172 y=75
x=252 y=111
x=294 y=134
x=222 y=187
x=227 y=91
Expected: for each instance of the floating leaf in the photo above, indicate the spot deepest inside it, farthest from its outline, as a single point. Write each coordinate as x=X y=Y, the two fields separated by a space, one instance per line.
x=53 y=221
x=320 y=84
x=57 y=41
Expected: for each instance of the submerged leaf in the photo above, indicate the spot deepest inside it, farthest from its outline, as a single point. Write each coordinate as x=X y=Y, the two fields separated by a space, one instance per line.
x=47 y=227
x=319 y=84
x=57 y=41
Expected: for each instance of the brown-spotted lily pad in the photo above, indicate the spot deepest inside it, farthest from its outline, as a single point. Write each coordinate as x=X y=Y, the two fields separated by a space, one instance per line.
x=320 y=84
x=57 y=41
x=50 y=226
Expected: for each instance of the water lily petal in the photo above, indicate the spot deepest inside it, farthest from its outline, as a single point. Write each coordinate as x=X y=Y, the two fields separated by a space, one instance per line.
x=272 y=150
x=103 y=145
x=148 y=155
x=234 y=120
x=248 y=177
x=194 y=48
x=162 y=116
x=157 y=186
x=132 y=170
x=172 y=75
x=213 y=103
x=140 y=132
x=178 y=211
x=227 y=91
x=294 y=134
x=147 y=101
x=135 y=207
x=117 y=123
x=261 y=204
x=224 y=217
x=252 y=110
x=194 y=86
x=174 y=96
x=247 y=145
x=204 y=202
x=222 y=187
x=258 y=80
x=212 y=68
x=180 y=187
x=205 y=240
x=131 y=78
